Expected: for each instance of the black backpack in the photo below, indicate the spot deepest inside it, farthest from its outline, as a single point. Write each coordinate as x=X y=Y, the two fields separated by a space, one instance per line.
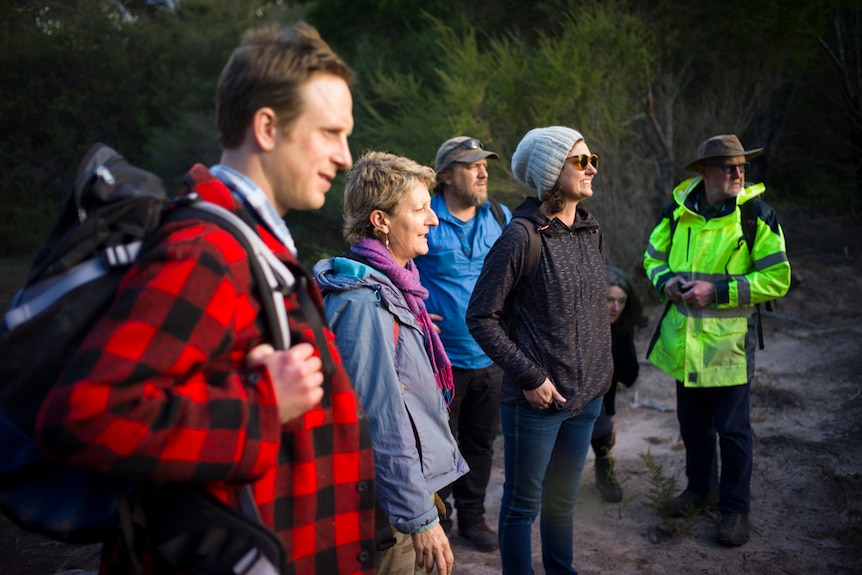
x=113 y=213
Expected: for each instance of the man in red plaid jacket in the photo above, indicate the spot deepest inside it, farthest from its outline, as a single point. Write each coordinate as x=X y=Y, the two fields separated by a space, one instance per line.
x=178 y=383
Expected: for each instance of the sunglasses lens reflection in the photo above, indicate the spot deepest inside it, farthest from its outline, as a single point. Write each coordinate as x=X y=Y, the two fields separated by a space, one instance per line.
x=471 y=144
x=583 y=159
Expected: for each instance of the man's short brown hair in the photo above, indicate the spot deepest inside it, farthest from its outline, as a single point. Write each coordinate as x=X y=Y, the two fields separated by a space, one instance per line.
x=268 y=69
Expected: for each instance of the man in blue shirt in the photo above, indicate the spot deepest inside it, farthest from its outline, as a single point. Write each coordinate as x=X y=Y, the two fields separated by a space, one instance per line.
x=470 y=223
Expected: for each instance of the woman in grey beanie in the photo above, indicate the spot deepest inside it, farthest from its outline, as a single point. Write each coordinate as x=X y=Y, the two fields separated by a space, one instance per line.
x=555 y=349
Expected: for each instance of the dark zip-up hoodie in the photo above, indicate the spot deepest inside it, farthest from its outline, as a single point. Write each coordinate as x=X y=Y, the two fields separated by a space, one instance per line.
x=563 y=332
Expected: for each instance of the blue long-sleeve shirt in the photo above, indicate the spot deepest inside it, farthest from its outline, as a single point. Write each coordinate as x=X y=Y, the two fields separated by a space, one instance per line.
x=456 y=252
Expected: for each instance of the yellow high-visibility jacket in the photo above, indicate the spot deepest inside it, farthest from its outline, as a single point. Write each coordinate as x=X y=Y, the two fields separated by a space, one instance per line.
x=714 y=346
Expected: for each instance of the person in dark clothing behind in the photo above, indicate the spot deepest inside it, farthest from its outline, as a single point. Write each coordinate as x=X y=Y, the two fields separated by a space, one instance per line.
x=625 y=313
x=555 y=353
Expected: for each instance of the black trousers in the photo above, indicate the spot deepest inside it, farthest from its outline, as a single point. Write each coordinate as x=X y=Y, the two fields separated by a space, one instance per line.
x=705 y=414
x=474 y=418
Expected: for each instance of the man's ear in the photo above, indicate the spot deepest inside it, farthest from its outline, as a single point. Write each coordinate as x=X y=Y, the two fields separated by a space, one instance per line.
x=264 y=126
x=445 y=177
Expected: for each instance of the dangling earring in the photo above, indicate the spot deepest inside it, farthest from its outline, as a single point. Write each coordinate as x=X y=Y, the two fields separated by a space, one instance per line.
x=387 y=242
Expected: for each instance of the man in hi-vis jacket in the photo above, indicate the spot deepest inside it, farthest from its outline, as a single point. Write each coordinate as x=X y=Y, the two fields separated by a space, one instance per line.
x=712 y=272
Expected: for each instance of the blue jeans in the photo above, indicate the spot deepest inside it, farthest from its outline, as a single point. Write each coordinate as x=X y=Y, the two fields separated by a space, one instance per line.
x=544 y=453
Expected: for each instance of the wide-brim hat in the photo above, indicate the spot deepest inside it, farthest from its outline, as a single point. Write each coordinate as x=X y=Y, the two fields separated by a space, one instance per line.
x=453 y=150
x=724 y=146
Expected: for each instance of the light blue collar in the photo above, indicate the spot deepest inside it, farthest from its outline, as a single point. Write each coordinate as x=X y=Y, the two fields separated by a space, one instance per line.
x=256 y=201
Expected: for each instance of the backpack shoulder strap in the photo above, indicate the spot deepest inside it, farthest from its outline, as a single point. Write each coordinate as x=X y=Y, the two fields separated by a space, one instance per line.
x=534 y=251
x=270 y=275
x=497 y=210
x=748 y=221
x=668 y=212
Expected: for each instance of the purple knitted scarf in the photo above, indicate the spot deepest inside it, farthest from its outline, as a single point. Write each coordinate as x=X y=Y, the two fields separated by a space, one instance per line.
x=406 y=279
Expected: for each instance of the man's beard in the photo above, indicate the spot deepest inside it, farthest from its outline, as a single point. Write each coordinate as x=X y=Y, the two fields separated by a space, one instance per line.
x=476 y=200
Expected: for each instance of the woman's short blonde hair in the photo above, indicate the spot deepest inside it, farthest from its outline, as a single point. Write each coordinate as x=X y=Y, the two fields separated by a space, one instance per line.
x=379 y=181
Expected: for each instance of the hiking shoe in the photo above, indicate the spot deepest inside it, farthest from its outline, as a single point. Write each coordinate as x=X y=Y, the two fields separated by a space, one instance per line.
x=687 y=502
x=606 y=481
x=482 y=536
x=733 y=529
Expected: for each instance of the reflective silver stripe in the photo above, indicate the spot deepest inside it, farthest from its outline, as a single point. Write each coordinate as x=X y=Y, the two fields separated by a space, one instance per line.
x=710 y=277
x=39 y=297
x=122 y=255
x=105 y=174
x=658 y=270
x=655 y=254
x=770 y=260
x=743 y=290
x=254 y=563
x=712 y=312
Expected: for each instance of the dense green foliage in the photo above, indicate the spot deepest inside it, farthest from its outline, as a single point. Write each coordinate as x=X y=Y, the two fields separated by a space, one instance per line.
x=644 y=82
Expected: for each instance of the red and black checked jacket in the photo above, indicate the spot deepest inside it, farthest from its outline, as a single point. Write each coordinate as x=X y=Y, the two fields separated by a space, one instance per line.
x=159 y=390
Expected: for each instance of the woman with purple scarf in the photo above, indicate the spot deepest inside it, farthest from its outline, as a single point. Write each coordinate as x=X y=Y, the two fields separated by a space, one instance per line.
x=392 y=352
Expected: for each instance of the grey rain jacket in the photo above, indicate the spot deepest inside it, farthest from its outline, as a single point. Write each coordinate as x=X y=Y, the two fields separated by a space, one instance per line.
x=415 y=454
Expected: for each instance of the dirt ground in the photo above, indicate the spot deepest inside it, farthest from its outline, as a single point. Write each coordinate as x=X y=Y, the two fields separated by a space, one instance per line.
x=807 y=419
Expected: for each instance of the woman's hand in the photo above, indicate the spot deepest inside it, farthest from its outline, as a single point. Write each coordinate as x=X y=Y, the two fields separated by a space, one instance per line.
x=543 y=396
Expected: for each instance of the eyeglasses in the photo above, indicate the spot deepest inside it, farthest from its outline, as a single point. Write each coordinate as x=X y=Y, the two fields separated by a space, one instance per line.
x=469 y=144
x=583 y=159
x=727 y=168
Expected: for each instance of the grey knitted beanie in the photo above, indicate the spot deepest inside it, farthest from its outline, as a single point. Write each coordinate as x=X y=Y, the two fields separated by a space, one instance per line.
x=540 y=155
